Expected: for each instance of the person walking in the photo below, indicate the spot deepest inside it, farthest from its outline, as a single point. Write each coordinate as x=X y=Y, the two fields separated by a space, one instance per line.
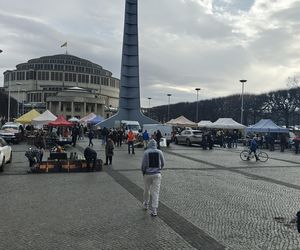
x=152 y=163
x=158 y=137
x=109 y=151
x=91 y=136
x=130 y=141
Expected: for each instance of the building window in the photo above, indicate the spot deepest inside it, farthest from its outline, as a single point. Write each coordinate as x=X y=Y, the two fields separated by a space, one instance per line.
x=30 y=75
x=20 y=75
x=77 y=107
x=68 y=107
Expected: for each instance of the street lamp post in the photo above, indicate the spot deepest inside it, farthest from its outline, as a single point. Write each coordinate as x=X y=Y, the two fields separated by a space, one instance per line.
x=169 y=96
x=23 y=99
x=197 y=89
x=149 y=98
x=242 y=105
x=8 y=106
x=19 y=84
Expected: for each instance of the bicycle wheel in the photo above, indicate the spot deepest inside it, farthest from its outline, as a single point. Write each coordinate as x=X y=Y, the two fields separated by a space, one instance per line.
x=263 y=157
x=244 y=155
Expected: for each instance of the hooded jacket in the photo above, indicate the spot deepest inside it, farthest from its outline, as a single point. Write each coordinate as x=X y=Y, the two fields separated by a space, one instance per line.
x=153 y=159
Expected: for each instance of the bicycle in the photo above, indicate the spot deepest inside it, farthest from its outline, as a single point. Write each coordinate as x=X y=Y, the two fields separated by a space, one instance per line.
x=245 y=155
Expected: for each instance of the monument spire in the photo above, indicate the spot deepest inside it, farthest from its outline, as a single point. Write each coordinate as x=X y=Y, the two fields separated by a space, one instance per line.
x=129 y=98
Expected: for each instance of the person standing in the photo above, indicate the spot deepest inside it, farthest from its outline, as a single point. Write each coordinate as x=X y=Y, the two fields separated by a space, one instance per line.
x=74 y=135
x=145 y=139
x=152 y=164
x=91 y=136
x=109 y=151
x=283 y=142
x=130 y=141
x=104 y=133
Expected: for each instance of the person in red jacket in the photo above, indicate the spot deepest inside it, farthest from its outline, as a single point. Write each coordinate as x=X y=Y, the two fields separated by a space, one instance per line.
x=130 y=140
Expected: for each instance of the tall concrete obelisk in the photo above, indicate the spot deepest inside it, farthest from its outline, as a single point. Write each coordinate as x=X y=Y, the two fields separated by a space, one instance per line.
x=129 y=99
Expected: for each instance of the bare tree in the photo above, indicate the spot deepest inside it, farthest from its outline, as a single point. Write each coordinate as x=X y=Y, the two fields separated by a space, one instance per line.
x=293 y=82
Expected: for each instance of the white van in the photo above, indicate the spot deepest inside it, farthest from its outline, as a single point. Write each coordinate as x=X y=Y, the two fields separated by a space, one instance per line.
x=165 y=129
x=130 y=125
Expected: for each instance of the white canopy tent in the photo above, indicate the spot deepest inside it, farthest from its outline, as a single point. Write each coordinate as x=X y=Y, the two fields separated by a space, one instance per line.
x=227 y=123
x=73 y=119
x=43 y=119
x=204 y=124
x=181 y=121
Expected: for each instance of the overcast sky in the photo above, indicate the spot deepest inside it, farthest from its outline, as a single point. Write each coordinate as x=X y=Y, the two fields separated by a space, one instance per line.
x=184 y=44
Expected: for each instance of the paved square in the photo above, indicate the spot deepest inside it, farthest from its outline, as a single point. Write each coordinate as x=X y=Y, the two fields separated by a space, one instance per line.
x=209 y=200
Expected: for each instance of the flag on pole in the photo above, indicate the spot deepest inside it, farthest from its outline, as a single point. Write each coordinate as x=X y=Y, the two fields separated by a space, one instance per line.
x=64 y=45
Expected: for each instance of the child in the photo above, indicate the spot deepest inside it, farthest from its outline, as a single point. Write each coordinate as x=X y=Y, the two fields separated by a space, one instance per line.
x=109 y=151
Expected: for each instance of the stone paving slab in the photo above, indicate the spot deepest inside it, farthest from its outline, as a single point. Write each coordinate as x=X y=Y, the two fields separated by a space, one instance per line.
x=227 y=205
x=231 y=158
x=236 y=211
x=77 y=211
x=286 y=174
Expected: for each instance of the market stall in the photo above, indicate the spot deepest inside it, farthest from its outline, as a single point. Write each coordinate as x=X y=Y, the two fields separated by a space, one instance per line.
x=63 y=130
x=43 y=119
x=28 y=117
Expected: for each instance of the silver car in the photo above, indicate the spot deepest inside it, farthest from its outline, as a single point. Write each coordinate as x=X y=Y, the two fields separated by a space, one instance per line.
x=189 y=137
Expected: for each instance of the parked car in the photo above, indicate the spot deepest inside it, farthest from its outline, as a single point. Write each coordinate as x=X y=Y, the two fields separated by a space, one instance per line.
x=5 y=153
x=11 y=132
x=189 y=137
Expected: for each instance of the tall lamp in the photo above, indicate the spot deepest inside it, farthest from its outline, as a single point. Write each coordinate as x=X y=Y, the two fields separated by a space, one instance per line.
x=242 y=105
x=197 y=89
x=23 y=99
x=19 y=84
x=169 y=96
x=149 y=98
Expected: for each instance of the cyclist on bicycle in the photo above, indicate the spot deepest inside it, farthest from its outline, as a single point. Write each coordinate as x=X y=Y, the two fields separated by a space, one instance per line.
x=253 y=147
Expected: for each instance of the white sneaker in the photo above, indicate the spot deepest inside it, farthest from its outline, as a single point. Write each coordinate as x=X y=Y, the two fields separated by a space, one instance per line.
x=145 y=206
x=153 y=212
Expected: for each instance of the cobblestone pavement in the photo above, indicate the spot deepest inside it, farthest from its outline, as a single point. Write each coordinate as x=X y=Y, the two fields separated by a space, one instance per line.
x=209 y=200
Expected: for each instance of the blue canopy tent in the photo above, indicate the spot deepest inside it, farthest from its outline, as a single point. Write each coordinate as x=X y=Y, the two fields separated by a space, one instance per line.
x=95 y=120
x=265 y=126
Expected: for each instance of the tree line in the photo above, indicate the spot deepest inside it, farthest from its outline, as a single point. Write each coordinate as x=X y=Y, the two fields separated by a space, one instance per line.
x=282 y=106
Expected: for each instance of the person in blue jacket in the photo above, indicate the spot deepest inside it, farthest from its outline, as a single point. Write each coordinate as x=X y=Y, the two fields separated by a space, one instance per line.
x=253 y=147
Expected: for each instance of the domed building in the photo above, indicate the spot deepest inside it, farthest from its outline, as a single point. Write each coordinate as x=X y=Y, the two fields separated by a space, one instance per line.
x=64 y=84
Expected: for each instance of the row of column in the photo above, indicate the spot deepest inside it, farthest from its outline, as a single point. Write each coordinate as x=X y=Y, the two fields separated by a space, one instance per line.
x=72 y=107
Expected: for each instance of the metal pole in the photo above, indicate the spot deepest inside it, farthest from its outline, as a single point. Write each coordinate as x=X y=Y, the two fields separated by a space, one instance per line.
x=169 y=95
x=18 y=101
x=23 y=101
x=18 y=112
x=197 y=89
x=242 y=106
x=8 y=108
x=149 y=98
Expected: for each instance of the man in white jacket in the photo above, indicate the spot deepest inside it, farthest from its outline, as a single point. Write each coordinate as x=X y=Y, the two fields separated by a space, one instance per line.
x=152 y=164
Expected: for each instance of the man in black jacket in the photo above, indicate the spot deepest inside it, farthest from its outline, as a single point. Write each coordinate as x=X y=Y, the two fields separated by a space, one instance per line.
x=90 y=156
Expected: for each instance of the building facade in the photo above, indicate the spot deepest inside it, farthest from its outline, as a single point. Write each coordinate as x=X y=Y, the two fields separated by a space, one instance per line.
x=64 y=84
